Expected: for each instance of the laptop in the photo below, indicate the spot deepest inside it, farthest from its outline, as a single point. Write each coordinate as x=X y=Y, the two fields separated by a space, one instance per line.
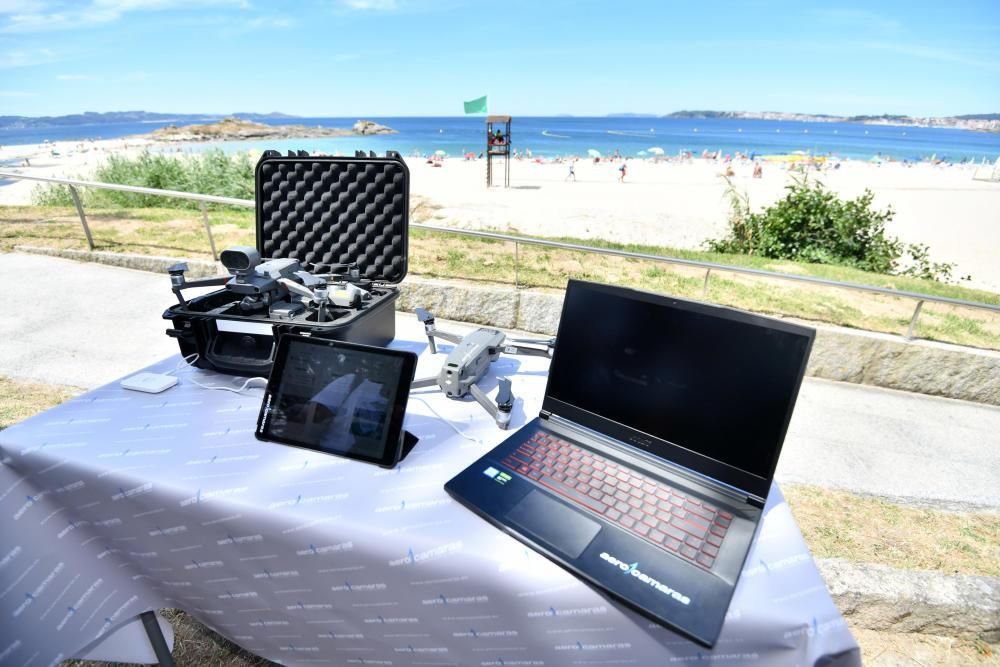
x=647 y=470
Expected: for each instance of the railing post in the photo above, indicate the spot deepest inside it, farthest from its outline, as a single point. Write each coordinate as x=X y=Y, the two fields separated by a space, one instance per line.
x=704 y=287
x=83 y=219
x=913 y=320
x=208 y=229
x=517 y=266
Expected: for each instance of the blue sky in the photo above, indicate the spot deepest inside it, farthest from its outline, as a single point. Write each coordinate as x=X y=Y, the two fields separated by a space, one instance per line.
x=541 y=57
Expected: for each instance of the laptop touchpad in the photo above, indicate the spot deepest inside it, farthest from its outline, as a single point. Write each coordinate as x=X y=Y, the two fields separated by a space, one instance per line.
x=553 y=523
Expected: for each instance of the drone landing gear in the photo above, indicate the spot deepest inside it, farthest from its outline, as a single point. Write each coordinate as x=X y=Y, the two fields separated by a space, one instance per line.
x=500 y=411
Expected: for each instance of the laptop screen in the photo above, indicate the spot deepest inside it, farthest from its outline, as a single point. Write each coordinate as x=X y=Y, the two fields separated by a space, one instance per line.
x=714 y=381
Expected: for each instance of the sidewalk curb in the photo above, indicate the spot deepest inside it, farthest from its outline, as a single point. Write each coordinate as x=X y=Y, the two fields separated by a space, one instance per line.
x=845 y=355
x=882 y=598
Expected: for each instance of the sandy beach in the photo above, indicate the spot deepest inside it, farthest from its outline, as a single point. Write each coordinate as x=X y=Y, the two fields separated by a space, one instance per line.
x=660 y=203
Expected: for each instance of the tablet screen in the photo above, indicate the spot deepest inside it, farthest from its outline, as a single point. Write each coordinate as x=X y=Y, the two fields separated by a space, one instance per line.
x=336 y=397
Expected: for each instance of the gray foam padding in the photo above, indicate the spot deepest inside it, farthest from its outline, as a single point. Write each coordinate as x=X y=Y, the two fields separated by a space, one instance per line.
x=335 y=211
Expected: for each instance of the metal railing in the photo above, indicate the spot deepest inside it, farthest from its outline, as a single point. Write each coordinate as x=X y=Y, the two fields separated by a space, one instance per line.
x=919 y=297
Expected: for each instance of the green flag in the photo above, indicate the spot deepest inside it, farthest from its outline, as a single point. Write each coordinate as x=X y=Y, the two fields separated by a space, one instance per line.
x=477 y=105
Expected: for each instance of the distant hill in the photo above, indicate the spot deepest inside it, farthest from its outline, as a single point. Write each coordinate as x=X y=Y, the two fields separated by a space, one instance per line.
x=980 y=116
x=703 y=114
x=976 y=122
x=109 y=117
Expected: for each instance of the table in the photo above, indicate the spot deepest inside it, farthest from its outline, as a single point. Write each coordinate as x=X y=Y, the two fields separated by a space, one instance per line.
x=118 y=502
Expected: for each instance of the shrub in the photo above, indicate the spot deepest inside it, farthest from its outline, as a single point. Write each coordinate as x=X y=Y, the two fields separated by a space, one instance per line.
x=213 y=173
x=812 y=224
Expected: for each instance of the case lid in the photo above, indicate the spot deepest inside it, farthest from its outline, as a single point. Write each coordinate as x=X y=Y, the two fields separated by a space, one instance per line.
x=328 y=211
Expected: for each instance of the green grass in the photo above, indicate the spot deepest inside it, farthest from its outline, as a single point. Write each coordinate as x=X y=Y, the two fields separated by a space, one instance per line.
x=836 y=524
x=180 y=233
x=827 y=271
x=20 y=400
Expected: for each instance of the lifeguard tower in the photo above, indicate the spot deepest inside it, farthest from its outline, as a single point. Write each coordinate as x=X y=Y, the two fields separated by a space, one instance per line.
x=498 y=147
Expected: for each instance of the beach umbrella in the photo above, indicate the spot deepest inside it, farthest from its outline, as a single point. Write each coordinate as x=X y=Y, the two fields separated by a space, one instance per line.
x=440 y=152
x=656 y=150
x=592 y=153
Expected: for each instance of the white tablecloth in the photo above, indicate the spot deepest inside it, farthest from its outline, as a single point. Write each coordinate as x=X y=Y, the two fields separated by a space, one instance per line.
x=117 y=502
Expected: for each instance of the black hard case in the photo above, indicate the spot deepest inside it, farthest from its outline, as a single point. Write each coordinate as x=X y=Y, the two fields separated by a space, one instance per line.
x=324 y=212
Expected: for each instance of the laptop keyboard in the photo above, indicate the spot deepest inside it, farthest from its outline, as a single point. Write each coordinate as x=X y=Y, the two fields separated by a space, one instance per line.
x=646 y=507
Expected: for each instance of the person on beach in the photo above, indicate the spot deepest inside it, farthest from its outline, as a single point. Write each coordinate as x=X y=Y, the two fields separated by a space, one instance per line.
x=758 y=171
x=621 y=175
x=571 y=174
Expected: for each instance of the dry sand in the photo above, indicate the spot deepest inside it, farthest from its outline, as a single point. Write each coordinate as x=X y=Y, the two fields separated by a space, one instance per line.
x=669 y=204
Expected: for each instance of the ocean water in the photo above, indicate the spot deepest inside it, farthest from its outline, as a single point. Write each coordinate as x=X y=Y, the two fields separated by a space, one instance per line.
x=564 y=136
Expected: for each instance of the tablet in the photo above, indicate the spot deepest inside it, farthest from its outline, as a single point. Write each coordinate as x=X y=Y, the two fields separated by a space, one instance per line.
x=338 y=398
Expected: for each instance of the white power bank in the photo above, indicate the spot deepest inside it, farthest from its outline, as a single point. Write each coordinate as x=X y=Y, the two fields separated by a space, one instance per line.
x=151 y=383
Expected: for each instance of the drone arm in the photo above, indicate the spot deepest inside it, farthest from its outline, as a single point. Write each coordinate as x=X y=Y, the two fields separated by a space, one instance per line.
x=428 y=320
x=450 y=337
x=484 y=400
x=501 y=409
x=178 y=283
x=420 y=383
x=206 y=282
x=527 y=351
x=295 y=287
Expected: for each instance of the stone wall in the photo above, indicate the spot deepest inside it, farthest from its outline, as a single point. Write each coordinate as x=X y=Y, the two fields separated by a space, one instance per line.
x=845 y=355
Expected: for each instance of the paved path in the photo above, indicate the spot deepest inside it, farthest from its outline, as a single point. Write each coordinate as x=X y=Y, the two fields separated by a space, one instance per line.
x=87 y=324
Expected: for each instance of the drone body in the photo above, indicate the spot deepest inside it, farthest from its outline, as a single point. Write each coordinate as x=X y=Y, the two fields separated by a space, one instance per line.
x=470 y=360
x=278 y=288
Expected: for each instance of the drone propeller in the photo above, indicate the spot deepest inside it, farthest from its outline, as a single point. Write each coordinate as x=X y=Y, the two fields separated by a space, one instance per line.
x=428 y=319
x=505 y=399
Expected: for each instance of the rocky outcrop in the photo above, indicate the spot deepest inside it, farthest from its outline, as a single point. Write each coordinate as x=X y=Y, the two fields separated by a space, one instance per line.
x=371 y=127
x=236 y=129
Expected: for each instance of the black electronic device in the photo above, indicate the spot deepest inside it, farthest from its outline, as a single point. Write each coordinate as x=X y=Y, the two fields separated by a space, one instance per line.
x=339 y=398
x=647 y=470
x=331 y=247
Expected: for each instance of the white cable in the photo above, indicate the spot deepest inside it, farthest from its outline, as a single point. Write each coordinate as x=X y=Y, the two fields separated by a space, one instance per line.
x=242 y=388
x=185 y=363
x=446 y=420
x=188 y=362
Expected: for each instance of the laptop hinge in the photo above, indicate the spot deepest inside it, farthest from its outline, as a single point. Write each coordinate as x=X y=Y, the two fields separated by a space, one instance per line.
x=736 y=494
x=544 y=414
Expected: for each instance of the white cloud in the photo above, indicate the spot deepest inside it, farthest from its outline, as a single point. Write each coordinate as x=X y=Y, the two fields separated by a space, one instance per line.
x=21 y=6
x=937 y=54
x=370 y=5
x=37 y=16
x=859 y=19
x=260 y=23
x=27 y=58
